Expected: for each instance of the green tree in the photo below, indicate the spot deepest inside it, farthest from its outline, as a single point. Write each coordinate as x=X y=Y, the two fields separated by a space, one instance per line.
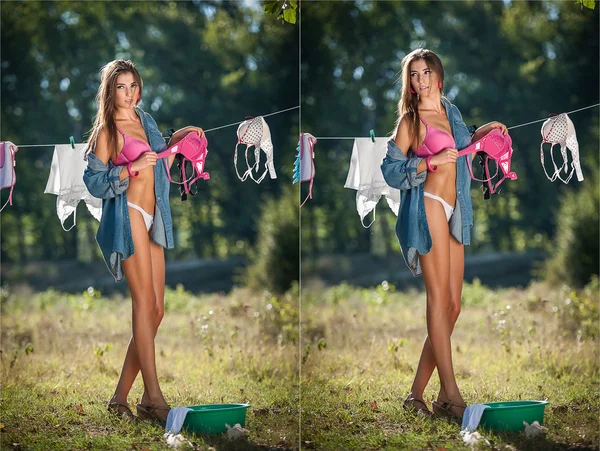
x=206 y=63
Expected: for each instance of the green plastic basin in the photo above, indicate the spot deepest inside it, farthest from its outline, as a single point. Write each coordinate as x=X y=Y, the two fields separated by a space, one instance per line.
x=212 y=418
x=509 y=416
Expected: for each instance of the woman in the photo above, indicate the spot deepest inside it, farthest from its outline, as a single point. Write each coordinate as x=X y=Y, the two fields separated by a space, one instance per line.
x=136 y=221
x=435 y=215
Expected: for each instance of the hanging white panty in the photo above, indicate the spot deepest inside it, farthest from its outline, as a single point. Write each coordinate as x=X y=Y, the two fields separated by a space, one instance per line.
x=66 y=181
x=366 y=177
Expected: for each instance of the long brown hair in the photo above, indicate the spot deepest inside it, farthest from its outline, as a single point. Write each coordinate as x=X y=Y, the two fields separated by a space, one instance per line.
x=409 y=102
x=105 y=99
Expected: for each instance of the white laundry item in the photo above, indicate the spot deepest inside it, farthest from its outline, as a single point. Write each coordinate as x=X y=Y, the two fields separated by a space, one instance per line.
x=534 y=430
x=177 y=441
x=304 y=166
x=560 y=130
x=66 y=181
x=472 y=416
x=366 y=177
x=473 y=438
x=8 y=176
x=175 y=419
x=255 y=132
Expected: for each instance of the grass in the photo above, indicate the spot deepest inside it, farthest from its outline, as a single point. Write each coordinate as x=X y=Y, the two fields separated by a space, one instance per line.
x=61 y=357
x=361 y=348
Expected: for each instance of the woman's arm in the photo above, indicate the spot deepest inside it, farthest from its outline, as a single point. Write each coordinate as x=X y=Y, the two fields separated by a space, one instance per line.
x=101 y=151
x=404 y=139
x=179 y=135
x=102 y=181
x=398 y=170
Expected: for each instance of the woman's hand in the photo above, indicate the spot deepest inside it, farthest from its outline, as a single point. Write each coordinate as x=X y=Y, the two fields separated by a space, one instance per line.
x=147 y=159
x=195 y=129
x=444 y=157
x=485 y=129
x=499 y=125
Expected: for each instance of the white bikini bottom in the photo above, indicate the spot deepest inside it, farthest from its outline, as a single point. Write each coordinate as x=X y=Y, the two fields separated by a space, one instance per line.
x=148 y=218
x=447 y=207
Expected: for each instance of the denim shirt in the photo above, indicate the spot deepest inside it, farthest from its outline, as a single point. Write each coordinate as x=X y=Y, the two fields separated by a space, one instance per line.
x=400 y=171
x=114 y=232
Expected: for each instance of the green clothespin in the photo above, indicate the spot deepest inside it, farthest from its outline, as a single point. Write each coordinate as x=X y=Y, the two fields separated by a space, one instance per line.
x=372 y=133
x=72 y=141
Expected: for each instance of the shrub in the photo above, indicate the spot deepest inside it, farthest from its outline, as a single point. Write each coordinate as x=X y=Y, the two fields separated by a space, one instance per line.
x=275 y=258
x=580 y=314
x=575 y=252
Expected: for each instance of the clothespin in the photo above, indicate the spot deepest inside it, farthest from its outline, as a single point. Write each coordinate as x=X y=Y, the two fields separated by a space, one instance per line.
x=72 y=141
x=372 y=133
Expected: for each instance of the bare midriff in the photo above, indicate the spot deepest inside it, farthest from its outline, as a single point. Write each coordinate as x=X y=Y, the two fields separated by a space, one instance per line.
x=141 y=189
x=442 y=182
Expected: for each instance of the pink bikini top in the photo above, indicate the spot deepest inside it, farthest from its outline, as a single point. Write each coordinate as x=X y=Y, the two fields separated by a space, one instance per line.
x=435 y=141
x=133 y=148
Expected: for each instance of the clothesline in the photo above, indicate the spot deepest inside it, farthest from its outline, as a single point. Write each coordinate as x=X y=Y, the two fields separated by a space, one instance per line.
x=205 y=131
x=509 y=128
x=541 y=120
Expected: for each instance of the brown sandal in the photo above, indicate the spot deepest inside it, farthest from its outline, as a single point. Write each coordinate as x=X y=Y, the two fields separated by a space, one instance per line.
x=148 y=412
x=445 y=409
x=113 y=407
x=409 y=404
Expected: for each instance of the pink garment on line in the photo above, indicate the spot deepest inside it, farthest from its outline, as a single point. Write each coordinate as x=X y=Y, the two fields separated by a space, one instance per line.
x=498 y=147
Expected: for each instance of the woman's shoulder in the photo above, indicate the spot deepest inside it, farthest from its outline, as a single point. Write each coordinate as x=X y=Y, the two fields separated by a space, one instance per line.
x=450 y=106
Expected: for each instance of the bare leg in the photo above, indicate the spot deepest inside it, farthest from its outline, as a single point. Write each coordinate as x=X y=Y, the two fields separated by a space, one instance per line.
x=131 y=365
x=138 y=271
x=157 y=254
x=427 y=360
x=436 y=273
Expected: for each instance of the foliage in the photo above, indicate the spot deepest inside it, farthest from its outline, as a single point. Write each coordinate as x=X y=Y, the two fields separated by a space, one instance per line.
x=287 y=10
x=474 y=294
x=575 y=252
x=279 y=317
x=205 y=63
x=580 y=313
x=351 y=53
x=591 y=4
x=275 y=259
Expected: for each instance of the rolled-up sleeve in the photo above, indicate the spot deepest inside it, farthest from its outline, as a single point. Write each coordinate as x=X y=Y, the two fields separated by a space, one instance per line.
x=103 y=181
x=399 y=171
